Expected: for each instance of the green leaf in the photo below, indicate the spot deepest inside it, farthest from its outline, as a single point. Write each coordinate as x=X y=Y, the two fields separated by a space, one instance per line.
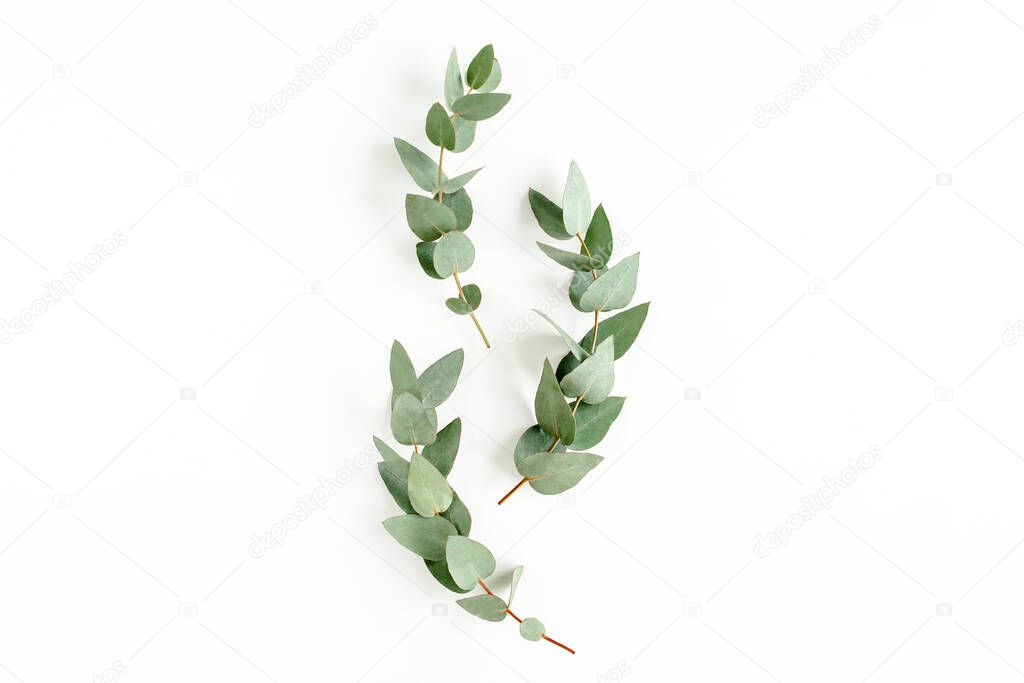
x=624 y=327
x=480 y=67
x=429 y=492
x=535 y=440
x=599 y=236
x=461 y=206
x=493 y=80
x=480 y=106
x=393 y=460
x=551 y=473
x=458 y=514
x=453 y=89
x=487 y=607
x=578 y=284
x=397 y=486
x=439 y=569
x=440 y=130
x=465 y=133
x=403 y=374
x=614 y=289
x=421 y=167
x=454 y=250
x=427 y=218
x=595 y=376
x=594 y=420
x=438 y=381
x=468 y=561
x=459 y=181
x=575 y=201
x=442 y=452
x=574 y=348
x=548 y=215
x=411 y=422
x=517 y=574
x=570 y=259
x=425 y=255
x=531 y=629
x=425 y=536
x=471 y=303
x=553 y=415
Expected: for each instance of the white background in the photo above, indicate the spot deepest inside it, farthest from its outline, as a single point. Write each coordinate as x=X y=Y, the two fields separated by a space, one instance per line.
x=812 y=279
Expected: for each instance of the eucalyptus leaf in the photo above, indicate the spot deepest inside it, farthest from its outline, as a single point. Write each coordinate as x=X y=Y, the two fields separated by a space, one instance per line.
x=425 y=256
x=553 y=415
x=442 y=452
x=570 y=259
x=493 y=80
x=535 y=440
x=421 y=167
x=439 y=570
x=575 y=201
x=425 y=536
x=438 y=381
x=403 y=374
x=439 y=128
x=614 y=289
x=594 y=420
x=471 y=303
x=459 y=181
x=453 y=88
x=427 y=218
x=458 y=514
x=624 y=327
x=548 y=215
x=578 y=284
x=468 y=561
x=411 y=421
x=461 y=205
x=480 y=67
x=599 y=236
x=531 y=629
x=517 y=574
x=551 y=473
x=574 y=348
x=487 y=607
x=454 y=252
x=595 y=376
x=465 y=133
x=397 y=485
x=393 y=460
x=480 y=106
x=429 y=492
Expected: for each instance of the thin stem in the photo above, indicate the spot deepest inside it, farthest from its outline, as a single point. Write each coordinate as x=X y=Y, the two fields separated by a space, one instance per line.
x=564 y=647
x=593 y=274
x=514 y=489
x=511 y=614
x=440 y=163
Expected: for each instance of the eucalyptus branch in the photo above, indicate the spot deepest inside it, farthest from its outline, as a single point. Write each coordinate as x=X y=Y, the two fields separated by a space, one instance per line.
x=436 y=522
x=445 y=251
x=586 y=376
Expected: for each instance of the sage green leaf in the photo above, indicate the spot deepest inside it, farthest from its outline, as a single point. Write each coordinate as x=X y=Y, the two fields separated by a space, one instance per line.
x=548 y=215
x=531 y=629
x=442 y=452
x=453 y=89
x=465 y=133
x=411 y=421
x=493 y=80
x=480 y=106
x=517 y=574
x=570 y=259
x=553 y=415
x=614 y=289
x=393 y=460
x=468 y=561
x=461 y=206
x=458 y=514
x=574 y=348
x=429 y=492
x=551 y=473
x=595 y=376
x=624 y=327
x=578 y=284
x=480 y=67
x=535 y=440
x=421 y=167
x=397 y=486
x=467 y=305
x=425 y=536
x=440 y=130
x=459 y=181
x=439 y=569
x=575 y=201
x=453 y=251
x=403 y=374
x=427 y=218
x=487 y=607
x=438 y=381
x=599 y=236
x=425 y=255
x=594 y=420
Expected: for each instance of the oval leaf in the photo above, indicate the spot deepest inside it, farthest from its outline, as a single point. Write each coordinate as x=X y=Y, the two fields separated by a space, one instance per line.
x=440 y=130
x=594 y=420
x=393 y=460
x=551 y=473
x=468 y=561
x=570 y=259
x=535 y=440
x=480 y=67
x=472 y=295
x=465 y=133
x=553 y=415
x=531 y=629
x=425 y=536
x=480 y=106
x=460 y=204
x=425 y=256
x=575 y=201
x=427 y=218
x=454 y=251
x=429 y=492
x=613 y=289
x=458 y=514
x=599 y=236
x=397 y=486
x=438 y=381
x=453 y=89
x=548 y=215
x=595 y=376
x=441 y=454
x=487 y=607
x=411 y=421
x=439 y=570
x=493 y=80
x=403 y=374
x=421 y=167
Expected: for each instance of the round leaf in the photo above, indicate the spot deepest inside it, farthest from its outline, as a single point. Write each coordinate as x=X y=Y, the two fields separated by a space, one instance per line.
x=454 y=251
x=425 y=536
x=469 y=304
x=468 y=561
x=429 y=492
x=428 y=219
x=531 y=629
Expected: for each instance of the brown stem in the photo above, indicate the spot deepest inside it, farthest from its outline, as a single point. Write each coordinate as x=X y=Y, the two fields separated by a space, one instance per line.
x=593 y=274
x=440 y=163
x=514 y=489
x=513 y=615
x=564 y=647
